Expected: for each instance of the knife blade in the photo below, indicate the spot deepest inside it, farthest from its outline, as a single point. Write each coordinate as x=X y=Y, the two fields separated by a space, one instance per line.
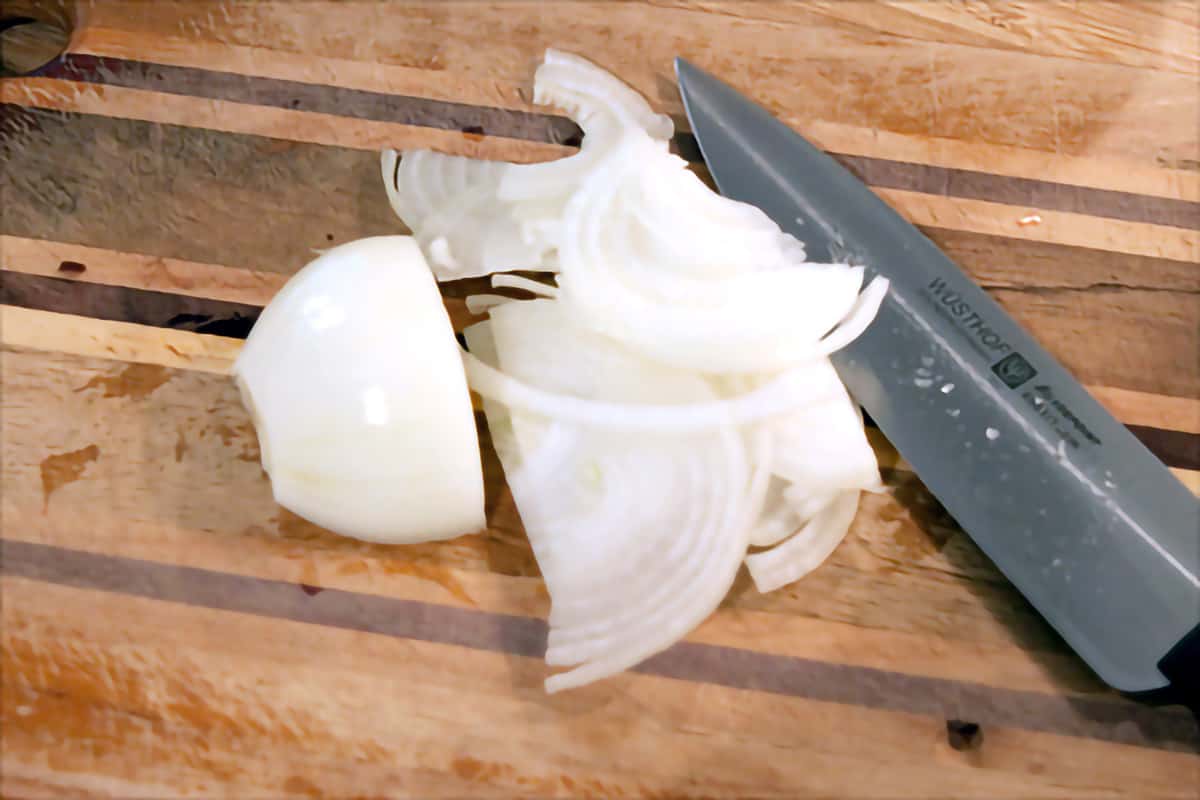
x=1100 y=537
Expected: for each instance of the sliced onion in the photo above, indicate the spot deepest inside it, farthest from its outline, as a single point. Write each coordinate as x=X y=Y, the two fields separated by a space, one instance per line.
x=670 y=402
x=451 y=205
x=478 y=303
x=620 y=592
x=496 y=215
x=505 y=281
x=585 y=91
x=808 y=549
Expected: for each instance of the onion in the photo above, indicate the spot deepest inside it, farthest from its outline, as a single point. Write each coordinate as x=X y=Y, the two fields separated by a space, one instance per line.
x=356 y=391
x=465 y=230
x=808 y=548
x=670 y=402
x=492 y=215
x=620 y=592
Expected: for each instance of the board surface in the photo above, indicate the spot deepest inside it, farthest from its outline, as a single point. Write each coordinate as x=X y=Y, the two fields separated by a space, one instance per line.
x=169 y=631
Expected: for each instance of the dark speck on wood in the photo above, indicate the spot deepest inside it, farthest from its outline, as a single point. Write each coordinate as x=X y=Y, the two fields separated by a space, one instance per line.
x=963 y=735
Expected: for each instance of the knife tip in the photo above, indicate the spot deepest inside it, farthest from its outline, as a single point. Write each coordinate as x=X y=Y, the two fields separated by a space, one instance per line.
x=681 y=67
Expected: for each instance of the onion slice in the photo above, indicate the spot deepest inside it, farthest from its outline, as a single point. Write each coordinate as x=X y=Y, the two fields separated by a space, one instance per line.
x=620 y=592
x=808 y=549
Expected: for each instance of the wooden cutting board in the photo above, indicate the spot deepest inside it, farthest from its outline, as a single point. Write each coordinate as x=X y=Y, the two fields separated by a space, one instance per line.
x=168 y=630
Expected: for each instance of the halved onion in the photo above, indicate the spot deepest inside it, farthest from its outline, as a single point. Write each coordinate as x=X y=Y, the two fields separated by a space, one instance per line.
x=354 y=384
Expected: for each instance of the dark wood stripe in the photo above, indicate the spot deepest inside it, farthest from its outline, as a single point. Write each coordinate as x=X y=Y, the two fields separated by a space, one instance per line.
x=123 y=304
x=1107 y=719
x=361 y=104
x=999 y=262
x=298 y=96
x=223 y=318
x=1023 y=192
x=1174 y=448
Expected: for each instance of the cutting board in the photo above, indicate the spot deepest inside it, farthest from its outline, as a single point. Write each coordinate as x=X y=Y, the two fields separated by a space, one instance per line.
x=168 y=630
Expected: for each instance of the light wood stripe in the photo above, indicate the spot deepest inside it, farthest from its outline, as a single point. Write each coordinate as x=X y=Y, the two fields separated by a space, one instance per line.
x=1189 y=478
x=372 y=76
x=48 y=331
x=1144 y=408
x=1111 y=174
x=1159 y=34
x=140 y=271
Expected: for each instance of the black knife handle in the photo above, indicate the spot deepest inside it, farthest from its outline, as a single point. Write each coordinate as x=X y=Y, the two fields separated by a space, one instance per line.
x=1181 y=666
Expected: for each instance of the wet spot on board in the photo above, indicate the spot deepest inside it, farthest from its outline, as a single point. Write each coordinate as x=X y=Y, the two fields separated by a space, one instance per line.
x=468 y=768
x=243 y=433
x=510 y=554
x=226 y=433
x=72 y=268
x=472 y=769
x=383 y=557
x=182 y=355
x=434 y=573
x=63 y=468
x=136 y=381
x=298 y=785
x=963 y=736
x=181 y=446
x=923 y=524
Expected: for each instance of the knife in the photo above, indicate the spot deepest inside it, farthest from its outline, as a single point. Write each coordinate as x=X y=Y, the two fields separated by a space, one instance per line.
x=1100 y=537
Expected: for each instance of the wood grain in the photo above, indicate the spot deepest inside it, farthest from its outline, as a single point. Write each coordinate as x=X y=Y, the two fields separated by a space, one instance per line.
x=169 y=631
x=75 y=74
x=439 y=85
x=192 y=426
x=58 y=195
x=1040 y=102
